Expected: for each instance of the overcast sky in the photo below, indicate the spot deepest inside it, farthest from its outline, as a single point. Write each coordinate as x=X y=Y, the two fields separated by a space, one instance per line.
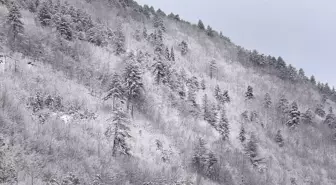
x=303 y=32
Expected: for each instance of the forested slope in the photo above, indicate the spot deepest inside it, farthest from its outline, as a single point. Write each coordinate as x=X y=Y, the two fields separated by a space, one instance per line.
x=111 y=92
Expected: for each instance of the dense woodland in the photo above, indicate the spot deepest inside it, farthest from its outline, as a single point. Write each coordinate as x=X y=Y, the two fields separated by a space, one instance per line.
x=111 y=92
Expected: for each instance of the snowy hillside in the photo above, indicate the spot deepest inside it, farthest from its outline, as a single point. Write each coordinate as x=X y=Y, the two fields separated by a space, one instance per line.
x=110 y=92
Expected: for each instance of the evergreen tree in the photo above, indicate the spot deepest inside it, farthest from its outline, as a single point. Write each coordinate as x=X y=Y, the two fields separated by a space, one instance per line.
x=242 y=134
x=158 y=23
x=223 y=126
x=209 y=31
x=192 y=96
x=213 y=69
x=116 y=90
x=160 y=70
x=292 y=73
x=177 y=17
x=133 y=84
x=44 y=14
x=203 y=87
x=184 y=48
x=160 y=13
x=200 y=25
x=249 y=94
x=312 y=80
x=308 y=117
x=279 y=139
x=119 y=41
x=205 y=107
x=144 y=33
x=251 y=147
x=320 y=110
x=267 y=100
x=64 y=28
x=199 y=158
x=330 y=119
x=137 y=35
x=172 y=55
x=225 y=98
x=217 y=92
x=119 y=129
x=294 y=115
x=16 y=27
x=167 y=54
x=283 y=105
x=302 y=74
x=71 y=179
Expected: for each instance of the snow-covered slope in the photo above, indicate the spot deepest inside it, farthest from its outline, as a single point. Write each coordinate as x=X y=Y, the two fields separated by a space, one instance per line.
x=57 y=127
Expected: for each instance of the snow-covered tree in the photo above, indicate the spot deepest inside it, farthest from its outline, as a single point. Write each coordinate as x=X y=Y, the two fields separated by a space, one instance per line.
x=319 y=110
x=64 y=28
x=223 y=126
x=213 y=69
x=312 y=80
x=167 y=54
x=249 y=94
x=242 y=134
x=203 y=87
x=199 y=158
x=119 y=41
x=160 y=69
x=210 y=31
x=15 y=25
x=251 y=147
x=217 y=92
x=118 y=130
x=292 y=73
x=200 y=25
x=144 y=33
x=302 y=75
x=172 y=55
x=330 y=119
x=158 y=23
x=205 y=107
x=283 y=105
x=44 y=14
x=294 y=116
x=133 y=84
x=184 y=47
x=267 y=101
x=70 y=179
x=308 y=116
x=279 y=139
x=116 y=90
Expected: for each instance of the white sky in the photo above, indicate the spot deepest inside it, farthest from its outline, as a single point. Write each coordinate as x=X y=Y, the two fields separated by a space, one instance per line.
x=303 y=32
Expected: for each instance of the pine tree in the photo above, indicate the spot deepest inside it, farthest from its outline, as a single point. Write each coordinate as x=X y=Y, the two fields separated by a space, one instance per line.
x=213 y=69
x=133 y=84
x=172 y=55
x=199 y=158
x=192 y=96
x=279 y=139
x=330 y=119
x=70 y=180
x=302 y=74
x=203 y=87
x=64 y=28
x=116 y=90
x=119 y=129
x=251 y=147
x=144 y=33
x=217 y=92
x=119 y=41
x=160 y=70
x=209 y=31
x=283 y=105
x=320 y=110
x=223 y=126
x=242 y=133
x=308 y=117
x=267 y=101
x=205 y=106
x=44 y=14
x=200 y=25
x=184 y=48
x=167 y=54
x=294 y=115
x=16 y=27
x=312 y=80
x=249 y=94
